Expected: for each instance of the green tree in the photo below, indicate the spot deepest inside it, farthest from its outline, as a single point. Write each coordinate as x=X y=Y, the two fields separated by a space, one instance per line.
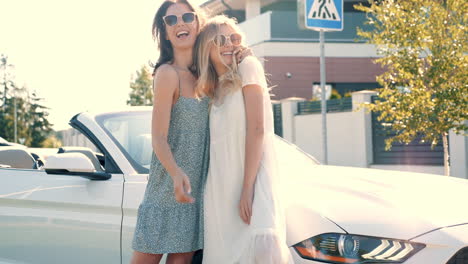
x=52 y=142
x=6 y=79
x=141 y=85
x=9 y=119
x=21 y=111
x=39 y=126
x=14 y=117
x=423 y=44
x=6 y=82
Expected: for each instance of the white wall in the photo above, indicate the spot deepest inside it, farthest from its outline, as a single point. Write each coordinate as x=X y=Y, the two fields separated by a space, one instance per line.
x=343 y=148
x=252 y=9
x=310 y=49
x=257 y=29
x=349 y=138
x=458 y=145
x=348 y=134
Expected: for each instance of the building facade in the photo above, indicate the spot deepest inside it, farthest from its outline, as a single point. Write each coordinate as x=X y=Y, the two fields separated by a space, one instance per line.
x=291 y=55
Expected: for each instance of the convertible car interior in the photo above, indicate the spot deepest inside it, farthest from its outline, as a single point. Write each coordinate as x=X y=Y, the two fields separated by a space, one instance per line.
x=20 y=157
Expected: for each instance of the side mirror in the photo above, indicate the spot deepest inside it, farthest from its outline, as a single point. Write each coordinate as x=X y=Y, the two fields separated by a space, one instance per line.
x=74 y=164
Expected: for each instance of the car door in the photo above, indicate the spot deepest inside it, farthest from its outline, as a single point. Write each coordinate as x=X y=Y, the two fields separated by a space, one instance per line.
x=59 y=218
x=135 y=186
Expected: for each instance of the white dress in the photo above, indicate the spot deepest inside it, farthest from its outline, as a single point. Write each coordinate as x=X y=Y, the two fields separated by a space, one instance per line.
x=227 y=238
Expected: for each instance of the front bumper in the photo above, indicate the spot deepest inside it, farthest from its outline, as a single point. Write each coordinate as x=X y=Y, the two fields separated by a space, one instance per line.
x=441 y=246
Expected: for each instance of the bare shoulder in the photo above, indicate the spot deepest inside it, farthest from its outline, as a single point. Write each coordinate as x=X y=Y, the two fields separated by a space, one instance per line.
x=165 y=71
x=166 y=78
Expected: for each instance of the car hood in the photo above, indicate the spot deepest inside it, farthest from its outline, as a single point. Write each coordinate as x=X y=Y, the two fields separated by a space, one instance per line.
x=379 y=203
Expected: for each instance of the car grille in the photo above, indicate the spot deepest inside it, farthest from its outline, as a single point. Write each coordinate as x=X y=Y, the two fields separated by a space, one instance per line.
x=460 y=258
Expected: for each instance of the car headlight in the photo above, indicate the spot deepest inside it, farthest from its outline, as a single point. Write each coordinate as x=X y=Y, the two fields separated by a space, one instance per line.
x=344 y=248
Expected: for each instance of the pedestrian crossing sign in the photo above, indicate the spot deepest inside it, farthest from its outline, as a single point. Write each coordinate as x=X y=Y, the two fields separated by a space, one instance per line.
x=324 y=15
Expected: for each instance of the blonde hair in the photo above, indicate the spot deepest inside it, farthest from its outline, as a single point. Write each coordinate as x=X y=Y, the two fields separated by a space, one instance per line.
x=204 y=70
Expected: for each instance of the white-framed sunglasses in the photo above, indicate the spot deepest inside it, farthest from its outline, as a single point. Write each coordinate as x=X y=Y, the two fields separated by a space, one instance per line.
x=221 y=40
x=172 y=20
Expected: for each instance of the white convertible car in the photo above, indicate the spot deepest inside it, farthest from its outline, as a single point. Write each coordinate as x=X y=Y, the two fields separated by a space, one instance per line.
x=79 y=206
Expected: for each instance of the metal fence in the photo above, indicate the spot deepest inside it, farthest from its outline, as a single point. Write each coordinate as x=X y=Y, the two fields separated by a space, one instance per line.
x=278 y=119
x=334 y=105
x=414 y=153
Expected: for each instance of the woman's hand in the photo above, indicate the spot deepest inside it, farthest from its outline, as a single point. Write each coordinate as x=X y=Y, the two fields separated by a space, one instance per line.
x=245 y=204
x=241 y=52
x=182 y=188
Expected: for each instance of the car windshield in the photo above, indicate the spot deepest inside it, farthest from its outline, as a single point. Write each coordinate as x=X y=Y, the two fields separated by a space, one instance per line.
x=131 y=131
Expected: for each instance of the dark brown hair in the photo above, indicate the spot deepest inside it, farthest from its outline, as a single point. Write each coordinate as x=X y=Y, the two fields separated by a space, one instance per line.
x=166 y=52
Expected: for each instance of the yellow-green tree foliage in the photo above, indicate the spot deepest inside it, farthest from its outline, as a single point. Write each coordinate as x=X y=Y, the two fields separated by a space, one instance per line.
x=52 y=142
x=141 y=85
x=423 y=44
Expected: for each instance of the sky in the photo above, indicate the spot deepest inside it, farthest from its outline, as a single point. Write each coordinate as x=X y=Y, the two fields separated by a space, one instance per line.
x=78 y=55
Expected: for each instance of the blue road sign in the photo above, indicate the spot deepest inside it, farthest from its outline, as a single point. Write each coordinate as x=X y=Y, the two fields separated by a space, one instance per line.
x=324 y=15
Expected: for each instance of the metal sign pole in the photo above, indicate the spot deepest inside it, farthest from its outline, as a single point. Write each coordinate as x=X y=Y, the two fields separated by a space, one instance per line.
x=321 y=15
x=323 y=97
x=15 y=121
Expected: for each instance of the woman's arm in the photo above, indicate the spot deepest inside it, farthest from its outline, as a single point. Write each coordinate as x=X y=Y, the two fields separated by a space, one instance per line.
x=165 y=84
x=253 y=98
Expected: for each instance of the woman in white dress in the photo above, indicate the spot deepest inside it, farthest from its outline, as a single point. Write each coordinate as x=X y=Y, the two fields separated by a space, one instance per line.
x=244 y=222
